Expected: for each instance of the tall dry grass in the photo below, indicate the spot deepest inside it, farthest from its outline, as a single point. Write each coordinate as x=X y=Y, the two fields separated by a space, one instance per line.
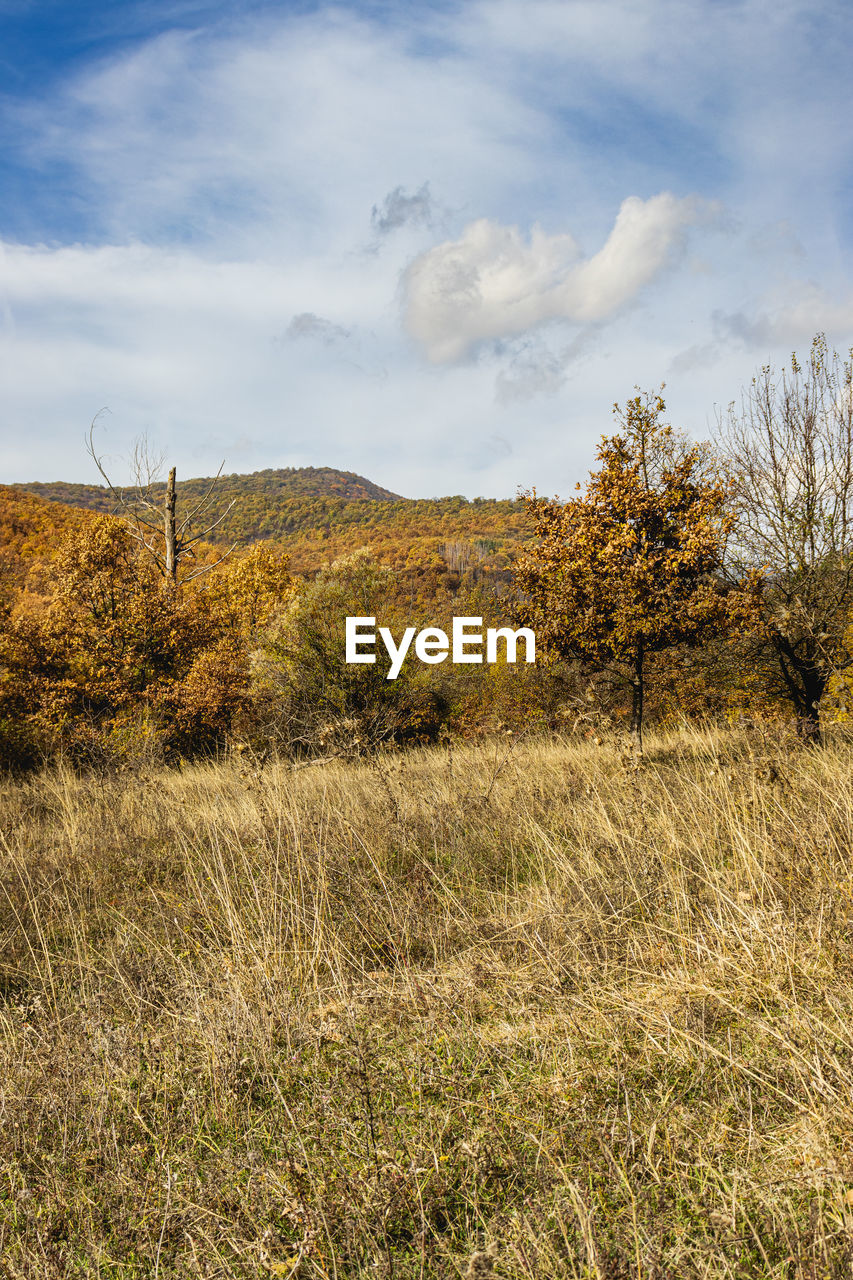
x=503 y=1008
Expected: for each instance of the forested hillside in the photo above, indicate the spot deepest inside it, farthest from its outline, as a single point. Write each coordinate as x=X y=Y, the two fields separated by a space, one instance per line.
x=214 y=613
x=286 y=482
x=30 y=530
x=319 y=514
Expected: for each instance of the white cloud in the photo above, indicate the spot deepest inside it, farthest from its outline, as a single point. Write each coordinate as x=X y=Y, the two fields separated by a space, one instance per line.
x=789 y=317
x=491 y=284
x=205 y=193
x=785 y=319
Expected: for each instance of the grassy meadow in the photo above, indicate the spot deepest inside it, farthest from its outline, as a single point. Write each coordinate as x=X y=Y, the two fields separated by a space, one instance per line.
x=510 y=1007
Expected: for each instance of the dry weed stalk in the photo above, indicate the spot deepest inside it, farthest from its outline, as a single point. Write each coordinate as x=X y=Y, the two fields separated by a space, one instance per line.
x=298 y=1030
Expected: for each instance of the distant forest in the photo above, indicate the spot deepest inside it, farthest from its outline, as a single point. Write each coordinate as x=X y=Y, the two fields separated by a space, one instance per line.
x=317 y=514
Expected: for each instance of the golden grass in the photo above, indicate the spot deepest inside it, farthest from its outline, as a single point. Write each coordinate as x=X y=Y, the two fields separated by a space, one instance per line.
x=508 y=1009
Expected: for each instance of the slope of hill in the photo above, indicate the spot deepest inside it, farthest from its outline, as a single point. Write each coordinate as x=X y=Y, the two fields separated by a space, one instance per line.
x=271 y=485
x=318 y=514
x=30 y=528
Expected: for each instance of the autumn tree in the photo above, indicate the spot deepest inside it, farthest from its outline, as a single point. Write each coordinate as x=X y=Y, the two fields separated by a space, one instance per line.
x=631 y=567
x=113 y=653
x=790 y=448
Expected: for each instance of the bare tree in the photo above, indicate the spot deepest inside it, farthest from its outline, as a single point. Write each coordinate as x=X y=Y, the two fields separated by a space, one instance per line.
x=790 y=447
x=154 y=521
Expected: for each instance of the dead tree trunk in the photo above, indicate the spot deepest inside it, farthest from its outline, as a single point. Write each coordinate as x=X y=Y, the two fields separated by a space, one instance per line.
x=170 y=532
x=149 y=520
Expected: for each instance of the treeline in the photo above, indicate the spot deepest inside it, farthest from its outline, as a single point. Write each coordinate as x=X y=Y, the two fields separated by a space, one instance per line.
x=306 y=505
x=104 y=661
x=317 y=515
x=685 y=580
x=30 y=531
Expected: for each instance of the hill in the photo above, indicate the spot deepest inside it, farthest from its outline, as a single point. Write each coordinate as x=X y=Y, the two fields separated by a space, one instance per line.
x=286 y=482
x=318 y=514
x=30 y=528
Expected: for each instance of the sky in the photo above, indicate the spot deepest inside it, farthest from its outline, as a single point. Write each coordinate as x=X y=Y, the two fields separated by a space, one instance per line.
x=429 y=241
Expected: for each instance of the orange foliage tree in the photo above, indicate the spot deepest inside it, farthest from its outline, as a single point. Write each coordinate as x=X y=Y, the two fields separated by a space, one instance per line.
x=631 y=568
x=112 y=647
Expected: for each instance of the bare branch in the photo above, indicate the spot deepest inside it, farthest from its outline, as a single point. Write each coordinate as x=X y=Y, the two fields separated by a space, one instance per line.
x=791 y=452
x=140 y=520
x=146 y=468
x=207 y=567
x=159 y=519
x=90 y=449
x=204 y=501
x=189 y=542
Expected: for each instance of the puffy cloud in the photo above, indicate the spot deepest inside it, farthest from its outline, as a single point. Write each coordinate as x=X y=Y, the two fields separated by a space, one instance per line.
x=492 y=284
x=179 y=202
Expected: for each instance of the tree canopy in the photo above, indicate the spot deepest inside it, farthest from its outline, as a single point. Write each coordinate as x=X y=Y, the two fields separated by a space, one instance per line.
x=630 y=567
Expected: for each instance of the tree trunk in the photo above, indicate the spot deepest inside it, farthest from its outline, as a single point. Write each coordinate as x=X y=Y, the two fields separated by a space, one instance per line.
x=808 y=723
x=170 y=532
x=805 y=680
x=637 y=690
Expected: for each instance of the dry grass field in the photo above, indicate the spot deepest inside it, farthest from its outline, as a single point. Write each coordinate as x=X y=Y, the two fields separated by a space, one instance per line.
x=508 y=1009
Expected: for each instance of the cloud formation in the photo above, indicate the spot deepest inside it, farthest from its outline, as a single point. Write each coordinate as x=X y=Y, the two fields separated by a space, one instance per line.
x=400 y=210
x=790 y=320
x=307 y=325
x=785 y=318
x=492 y=284
x=184 y=197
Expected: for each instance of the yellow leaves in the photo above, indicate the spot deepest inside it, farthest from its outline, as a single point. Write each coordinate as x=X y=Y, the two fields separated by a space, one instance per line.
x=625 y=566
x=112 y=642
x=252 y=587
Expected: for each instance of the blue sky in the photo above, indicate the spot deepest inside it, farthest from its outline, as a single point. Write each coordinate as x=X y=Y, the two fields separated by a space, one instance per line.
x=432 y=243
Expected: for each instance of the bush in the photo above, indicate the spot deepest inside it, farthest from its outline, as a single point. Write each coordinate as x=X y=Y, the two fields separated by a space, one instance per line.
x=308 y=698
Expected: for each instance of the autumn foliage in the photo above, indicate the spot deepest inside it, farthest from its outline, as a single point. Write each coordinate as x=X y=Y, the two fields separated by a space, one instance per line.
x=111 y=656
x=318 y=515
x=679 y=582
x=631 y=568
